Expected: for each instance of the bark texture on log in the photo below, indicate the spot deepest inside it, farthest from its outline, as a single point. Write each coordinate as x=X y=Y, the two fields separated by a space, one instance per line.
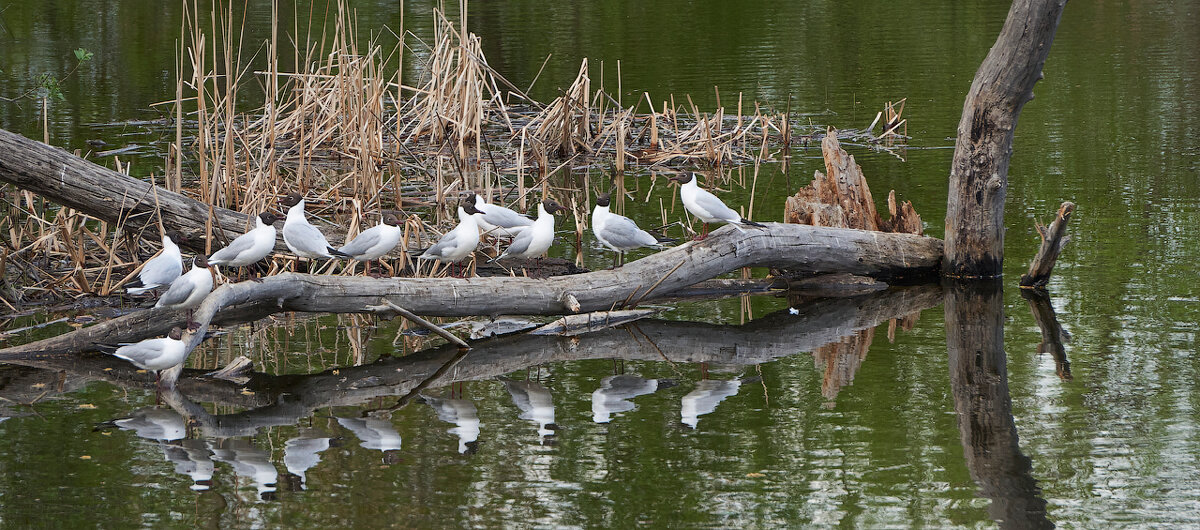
x=66 y=179
x=841 y=198
x=979 y=381
x=1054 y=239
x=979 y=169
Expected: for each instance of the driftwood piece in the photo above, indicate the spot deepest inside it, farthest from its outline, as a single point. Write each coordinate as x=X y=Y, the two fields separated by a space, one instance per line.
x=979 y=170
x=841 y=198
x=572 y=325
x=800 y=248
x=66 y=179
x=284 y=399
x=979 y=382
x=1054 y=239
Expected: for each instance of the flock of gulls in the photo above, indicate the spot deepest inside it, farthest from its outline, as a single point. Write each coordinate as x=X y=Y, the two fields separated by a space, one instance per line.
x=530 y=238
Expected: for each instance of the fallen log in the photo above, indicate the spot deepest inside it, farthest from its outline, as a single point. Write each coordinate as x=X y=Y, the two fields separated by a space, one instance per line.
x=66 y=179
x=1054 y=239
x=796 y=248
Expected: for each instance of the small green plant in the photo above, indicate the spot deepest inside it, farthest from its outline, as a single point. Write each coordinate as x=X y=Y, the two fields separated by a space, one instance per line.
x=48 y=86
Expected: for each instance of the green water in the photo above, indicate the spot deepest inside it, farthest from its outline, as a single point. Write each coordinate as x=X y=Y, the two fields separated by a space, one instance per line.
x=1113 y=128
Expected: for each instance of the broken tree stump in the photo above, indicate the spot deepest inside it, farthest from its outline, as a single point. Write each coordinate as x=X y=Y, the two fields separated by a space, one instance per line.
x=841 y=198
x=1054 y=238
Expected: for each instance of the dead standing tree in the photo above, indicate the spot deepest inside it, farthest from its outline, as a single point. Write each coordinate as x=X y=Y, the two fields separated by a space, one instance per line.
x=979 y=171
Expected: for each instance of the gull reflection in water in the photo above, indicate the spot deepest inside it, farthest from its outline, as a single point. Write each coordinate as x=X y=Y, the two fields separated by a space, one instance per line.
x=616 y=390
x=192 y=458
x=465 y=417
x=248 y=462
x=374 y=433
x=303 y=452
x=704 y=399
x=535 y=403
x=152 y=423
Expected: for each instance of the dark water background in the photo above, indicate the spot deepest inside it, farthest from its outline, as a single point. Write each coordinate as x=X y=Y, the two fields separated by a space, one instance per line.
x=1113 y=128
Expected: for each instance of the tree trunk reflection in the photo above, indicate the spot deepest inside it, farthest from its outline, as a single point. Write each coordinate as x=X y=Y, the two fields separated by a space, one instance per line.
x=979 y=379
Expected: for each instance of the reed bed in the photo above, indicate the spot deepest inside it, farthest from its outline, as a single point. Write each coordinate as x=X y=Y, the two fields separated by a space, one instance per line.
x=340 y=127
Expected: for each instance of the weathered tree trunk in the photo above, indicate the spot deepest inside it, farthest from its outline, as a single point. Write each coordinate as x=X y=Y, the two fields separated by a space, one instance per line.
x=66 y=179
x=1054 y=239
x=979 y=170
x=792 y=247
x=979 y=381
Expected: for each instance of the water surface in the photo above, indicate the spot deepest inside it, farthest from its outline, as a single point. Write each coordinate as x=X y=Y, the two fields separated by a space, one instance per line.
x=811 y=435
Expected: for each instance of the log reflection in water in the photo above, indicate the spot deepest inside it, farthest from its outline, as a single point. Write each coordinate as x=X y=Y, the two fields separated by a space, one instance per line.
x=979 y=380
x=1053 y=334
x=283 y=400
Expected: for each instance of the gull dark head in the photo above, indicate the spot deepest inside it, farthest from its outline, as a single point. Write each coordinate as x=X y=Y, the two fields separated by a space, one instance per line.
x=469 y=207
x=291 y=199
x=200 y=260
x=390 y=219
x=602 y=199
x=176 y=333
x=267 y=218
x=552 y=206
x=683 y=178
x=176 y=236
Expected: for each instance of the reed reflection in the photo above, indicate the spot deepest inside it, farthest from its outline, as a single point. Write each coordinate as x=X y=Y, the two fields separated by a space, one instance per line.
x=979 y=381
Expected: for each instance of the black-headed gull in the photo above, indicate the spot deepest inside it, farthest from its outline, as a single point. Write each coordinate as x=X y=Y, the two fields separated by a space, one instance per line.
x=250 y=247
x=534 y=241
x=189 y=290
x=459 y=242
x=498 y=220
x=706 y=206
x=160 y=270
x=156 y=354
x=373 y=243
x=616 y=231
x=304 y=239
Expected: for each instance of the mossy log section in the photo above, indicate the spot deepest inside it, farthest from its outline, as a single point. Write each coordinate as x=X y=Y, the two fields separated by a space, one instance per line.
x=979 y=170
x=63 y=178
x=1054 y=238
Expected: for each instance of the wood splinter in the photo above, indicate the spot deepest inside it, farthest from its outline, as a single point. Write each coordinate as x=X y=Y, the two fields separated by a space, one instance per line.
x=1054 y=238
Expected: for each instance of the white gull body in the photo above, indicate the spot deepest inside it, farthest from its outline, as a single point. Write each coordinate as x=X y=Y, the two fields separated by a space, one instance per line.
x=457 y=243
x=250 y=247
x=161 y=270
